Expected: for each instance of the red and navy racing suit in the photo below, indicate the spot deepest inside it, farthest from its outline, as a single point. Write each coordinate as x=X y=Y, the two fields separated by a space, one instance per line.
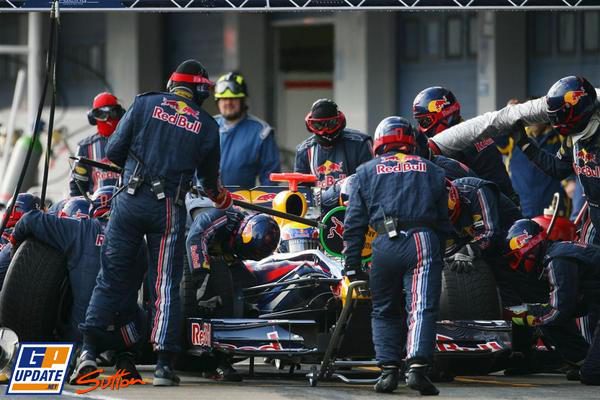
x=410 y=191
x=5 y=259
x=584 y=159
x=332 y=163
x=573 y=272
x=163 y=138
x=485 y=217
x=211 y=228
x=485 y=160
x=454 y=169
x=94 y=148
x=80 y=241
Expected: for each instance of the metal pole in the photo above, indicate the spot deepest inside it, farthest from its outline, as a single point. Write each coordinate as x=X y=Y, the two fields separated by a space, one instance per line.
x=34 y=64
x=10 y=128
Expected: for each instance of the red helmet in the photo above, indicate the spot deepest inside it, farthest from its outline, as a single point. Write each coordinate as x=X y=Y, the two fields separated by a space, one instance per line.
x=524 y=239
x=105 y=113
x=394 y=133
x=25 y=202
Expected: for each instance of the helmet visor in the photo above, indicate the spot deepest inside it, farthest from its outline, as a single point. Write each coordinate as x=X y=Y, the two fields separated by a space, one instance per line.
x=107 y=112
x=425 y=122
x=324 y=126
x=234 y=88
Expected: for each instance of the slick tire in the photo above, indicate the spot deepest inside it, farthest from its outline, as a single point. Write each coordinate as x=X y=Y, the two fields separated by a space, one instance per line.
x=472 y=295
x=32 y=294
x=220 y=283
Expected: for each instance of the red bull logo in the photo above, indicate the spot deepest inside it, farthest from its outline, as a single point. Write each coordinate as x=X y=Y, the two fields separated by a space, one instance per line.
x=572 y=97
x=329 y=167
x=438 y=105
x=585 y=156
x=180 y=107
x=179 y=119
x=337 y=229
x=264 y=198
x=519 y=241
x=401 y=167
x=237 y=196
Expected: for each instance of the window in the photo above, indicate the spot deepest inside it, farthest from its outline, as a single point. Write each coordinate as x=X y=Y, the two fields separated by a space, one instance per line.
x=454 y=41
x=473 y=37
x=591 y=31
x=542 y=40
x=411 y=40
x=566 y=32
x=432 y=39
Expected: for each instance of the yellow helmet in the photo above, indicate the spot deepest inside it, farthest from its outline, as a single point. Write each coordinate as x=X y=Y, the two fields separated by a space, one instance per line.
x=231 y=86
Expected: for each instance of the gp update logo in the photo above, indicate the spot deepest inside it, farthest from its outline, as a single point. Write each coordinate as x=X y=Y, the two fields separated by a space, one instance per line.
x=40 y=368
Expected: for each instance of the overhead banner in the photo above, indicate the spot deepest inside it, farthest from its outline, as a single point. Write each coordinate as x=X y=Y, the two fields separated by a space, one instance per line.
x=294 y=5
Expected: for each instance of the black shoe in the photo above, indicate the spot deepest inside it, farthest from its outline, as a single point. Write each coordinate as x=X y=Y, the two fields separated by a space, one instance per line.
x=388 y=381
x=225 y=373
x=106 y=359
x=86 y=365
x=416 y=379
x=164 y=376
x=126 y=362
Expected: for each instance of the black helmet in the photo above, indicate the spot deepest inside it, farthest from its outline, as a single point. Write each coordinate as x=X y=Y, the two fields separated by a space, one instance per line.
x=435 y=109
x=190 y=78
x=524 y=239
x=570 y=104
x=394 y=133
x=325 y=121
x=257 y=237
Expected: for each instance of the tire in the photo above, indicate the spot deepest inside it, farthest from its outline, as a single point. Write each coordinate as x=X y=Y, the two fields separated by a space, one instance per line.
x=470 y=296
x=220 y=283
x=33 y=292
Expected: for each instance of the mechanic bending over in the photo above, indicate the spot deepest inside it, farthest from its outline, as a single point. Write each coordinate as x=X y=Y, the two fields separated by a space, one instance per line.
x=80 y=240
x=217 y=239
x=161 y=142
x=572 y=107
x=572 y=271
x=437 y=109
x=404 y=198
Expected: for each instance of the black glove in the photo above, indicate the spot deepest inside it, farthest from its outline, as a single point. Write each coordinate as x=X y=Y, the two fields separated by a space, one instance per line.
x=464 y=261
x=355 y=273
x=519 y=135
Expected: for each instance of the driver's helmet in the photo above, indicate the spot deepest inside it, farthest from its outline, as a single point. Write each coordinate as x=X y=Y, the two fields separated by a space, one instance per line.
x=298 y=237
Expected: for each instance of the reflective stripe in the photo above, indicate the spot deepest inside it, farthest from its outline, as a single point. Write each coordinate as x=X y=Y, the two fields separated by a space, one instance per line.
x=419 y=293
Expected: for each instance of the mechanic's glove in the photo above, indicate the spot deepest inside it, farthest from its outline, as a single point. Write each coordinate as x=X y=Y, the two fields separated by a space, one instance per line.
x=355 y=273
x=223 y=200
x=519 y=135
x=464 y=262
x=519 y=315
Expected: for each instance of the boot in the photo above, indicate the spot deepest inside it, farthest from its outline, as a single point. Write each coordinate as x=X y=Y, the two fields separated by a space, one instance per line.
x=388 y=381
x=126 y=362
x=86 y=364
x=416 y=379
x=165 y=376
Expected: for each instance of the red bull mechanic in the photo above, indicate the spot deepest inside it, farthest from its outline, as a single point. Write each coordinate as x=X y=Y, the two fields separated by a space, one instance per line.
x=572 y=107
x=105 y=114
x=407 y=253
x=333 y=152
x=436 y=109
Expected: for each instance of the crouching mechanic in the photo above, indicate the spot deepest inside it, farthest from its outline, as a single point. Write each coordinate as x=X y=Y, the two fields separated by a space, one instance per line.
x=80 y=240
x=217 y=239
x=161 y=142
x=572 y=271
x=481 y=216
x=404 y=198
